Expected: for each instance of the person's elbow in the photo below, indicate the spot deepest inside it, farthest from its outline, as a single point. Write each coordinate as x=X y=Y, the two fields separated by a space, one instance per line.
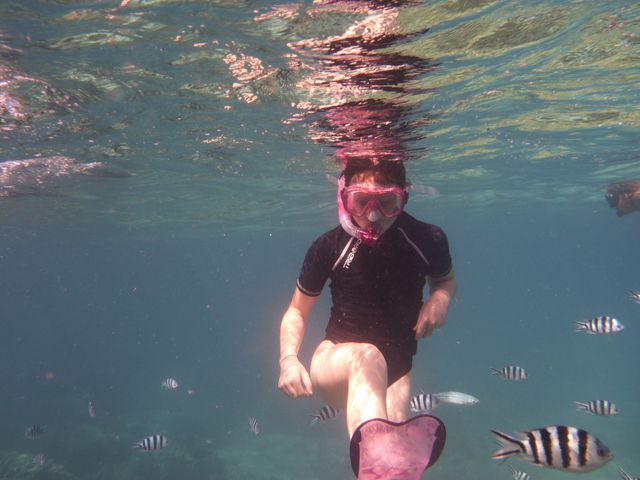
x=446 y=282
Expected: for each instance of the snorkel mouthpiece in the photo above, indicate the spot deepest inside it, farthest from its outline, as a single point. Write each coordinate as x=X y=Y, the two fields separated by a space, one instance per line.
x=369 y=238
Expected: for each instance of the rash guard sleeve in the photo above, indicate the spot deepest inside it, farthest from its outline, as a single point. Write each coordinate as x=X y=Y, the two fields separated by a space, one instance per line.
x=316 y=267
x=438 y=253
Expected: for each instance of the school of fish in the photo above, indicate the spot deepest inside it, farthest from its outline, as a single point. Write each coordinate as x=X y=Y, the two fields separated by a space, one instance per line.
x=563 y=447
x=559 y=447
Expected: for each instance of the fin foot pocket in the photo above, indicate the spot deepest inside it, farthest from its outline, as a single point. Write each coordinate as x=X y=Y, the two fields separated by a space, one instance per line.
x=385 y=450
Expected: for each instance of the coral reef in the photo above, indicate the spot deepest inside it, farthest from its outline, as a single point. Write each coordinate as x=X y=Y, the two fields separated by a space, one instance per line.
x=20 y=466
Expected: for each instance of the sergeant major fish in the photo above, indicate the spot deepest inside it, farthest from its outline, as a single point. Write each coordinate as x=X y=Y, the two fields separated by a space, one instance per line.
x=520 y=475
x=169 y=384
x=599 y=325
x=34 y=431
x=604 y=408
x=39 y=459
x=153 y=442
x=634 y=295
x=424 y=402
x=510 y=372
x=325 y=413
x=556 y=446
x=254 y=426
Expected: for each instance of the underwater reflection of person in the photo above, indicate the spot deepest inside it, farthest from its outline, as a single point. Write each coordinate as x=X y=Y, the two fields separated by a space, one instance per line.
x=624 y=196
x=378 y=261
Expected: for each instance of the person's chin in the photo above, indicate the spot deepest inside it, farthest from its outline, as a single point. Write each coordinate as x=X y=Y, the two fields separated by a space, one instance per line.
x=378 y=227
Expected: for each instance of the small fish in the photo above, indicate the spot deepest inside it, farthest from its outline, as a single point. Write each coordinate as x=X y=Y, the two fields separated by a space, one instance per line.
x=325 y=413
x=39 y=459
x=556 y=446
x=254 y=426
x=520 y=475
x=456 y=398
x=92 y=409
x=34 y=431
x=599 y=325
x=424 y=402
x=153 y=442
x=169 y=384
x=604 y=408
x=634 y=295
x=511 y=372
x=625 y=475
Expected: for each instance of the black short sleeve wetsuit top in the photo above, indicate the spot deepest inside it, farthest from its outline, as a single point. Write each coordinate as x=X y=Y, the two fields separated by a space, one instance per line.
x=377 y=291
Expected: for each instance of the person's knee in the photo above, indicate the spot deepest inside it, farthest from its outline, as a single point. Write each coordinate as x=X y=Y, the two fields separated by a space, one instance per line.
x=368 y=356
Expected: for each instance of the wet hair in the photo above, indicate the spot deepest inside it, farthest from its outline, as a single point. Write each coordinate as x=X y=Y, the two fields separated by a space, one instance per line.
x=384 y=172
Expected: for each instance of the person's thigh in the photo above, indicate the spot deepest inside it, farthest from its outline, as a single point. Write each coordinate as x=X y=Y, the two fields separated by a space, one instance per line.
x=398 y=398
x=331 y=368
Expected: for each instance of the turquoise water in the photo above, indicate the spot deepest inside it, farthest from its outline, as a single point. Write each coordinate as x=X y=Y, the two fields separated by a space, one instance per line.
x=163 y=169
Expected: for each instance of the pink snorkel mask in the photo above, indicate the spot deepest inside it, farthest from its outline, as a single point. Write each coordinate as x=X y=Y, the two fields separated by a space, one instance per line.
x=390 y=204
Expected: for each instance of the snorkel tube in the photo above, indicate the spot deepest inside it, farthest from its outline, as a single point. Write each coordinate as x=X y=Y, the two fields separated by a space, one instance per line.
x=368 y=237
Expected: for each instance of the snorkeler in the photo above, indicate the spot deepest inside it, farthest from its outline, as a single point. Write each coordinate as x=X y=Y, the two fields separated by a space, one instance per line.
x=378 y=260
x=624 y=197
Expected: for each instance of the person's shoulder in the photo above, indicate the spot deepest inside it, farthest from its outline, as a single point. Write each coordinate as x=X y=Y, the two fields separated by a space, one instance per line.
x=430 y=241
x=410 y=223
x=329 y=238
x=331 y=234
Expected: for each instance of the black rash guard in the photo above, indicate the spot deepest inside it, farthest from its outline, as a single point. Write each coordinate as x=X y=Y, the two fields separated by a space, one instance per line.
x=377 y=291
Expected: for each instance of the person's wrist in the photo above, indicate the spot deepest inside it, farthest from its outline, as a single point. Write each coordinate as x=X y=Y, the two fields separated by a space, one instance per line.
x=285 y=357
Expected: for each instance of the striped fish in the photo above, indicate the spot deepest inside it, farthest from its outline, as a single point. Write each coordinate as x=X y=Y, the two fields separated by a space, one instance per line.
x=634 y=295
x=599 y=407
x=599 y=325
x=153 y=442
x=520 y=475
x=424 y=402
x=169 y=383
x=34 y=431
x=556 y=446
x=254 y=426
x=510 y=372
x=625 y=475
x=325 y=413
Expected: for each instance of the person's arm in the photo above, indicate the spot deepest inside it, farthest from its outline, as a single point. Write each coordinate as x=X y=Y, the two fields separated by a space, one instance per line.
x=434 y=311
x=294 y=379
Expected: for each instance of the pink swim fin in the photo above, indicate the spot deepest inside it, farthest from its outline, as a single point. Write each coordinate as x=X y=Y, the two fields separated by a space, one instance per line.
x=385 y=450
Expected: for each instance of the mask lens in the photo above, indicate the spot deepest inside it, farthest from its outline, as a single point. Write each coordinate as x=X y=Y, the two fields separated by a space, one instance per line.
x=357 y=202
x=390 y=203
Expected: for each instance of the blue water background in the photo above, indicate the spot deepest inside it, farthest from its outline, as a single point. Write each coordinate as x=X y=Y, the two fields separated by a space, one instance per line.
x=184 y=268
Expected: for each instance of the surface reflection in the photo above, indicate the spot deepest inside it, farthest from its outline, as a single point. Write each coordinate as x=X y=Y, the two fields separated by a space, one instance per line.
x=356 y=83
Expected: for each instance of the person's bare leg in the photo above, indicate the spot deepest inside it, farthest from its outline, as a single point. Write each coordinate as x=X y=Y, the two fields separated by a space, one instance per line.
x=351 y=376
x=398 y=398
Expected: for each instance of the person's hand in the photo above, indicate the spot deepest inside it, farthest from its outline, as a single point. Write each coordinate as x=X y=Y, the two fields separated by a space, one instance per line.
x=294 y=379
x=433 y=314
